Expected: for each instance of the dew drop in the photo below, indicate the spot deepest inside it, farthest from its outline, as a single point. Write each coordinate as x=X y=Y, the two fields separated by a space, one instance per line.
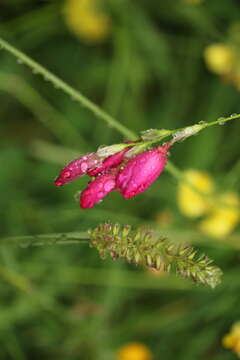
x=109 y=185
x=19 y=61
x=100 y=195
x=84 y=166
x=221 y=120
x=202 y=122
x=66 y=174
x=233 y=115
x=35 y=71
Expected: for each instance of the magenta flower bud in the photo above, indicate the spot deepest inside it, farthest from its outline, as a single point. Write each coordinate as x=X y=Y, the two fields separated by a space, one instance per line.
x=97 y=190
x=110 y=162
x=141 y=171
x=77 y=168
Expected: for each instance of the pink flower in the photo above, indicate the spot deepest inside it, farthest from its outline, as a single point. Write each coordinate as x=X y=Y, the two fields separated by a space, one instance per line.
x=77 y=168
x=110 y=162
x=141 y=171
x=115 y=172
x=98 y=189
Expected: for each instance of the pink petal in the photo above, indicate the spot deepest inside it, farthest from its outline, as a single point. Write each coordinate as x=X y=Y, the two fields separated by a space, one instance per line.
x=77 y=168
x=97 y=190
x=141 y=171
x=110 y=162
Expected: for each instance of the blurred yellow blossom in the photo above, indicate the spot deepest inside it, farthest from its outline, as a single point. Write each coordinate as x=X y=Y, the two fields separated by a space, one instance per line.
x=190 y=202
x=85 y=20
x=194 y=2
x=224 y=217
x=220 y=58
x=134 y=351
x=232 y=339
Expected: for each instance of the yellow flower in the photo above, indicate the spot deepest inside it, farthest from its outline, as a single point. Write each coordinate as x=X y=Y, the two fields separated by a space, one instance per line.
x=223 y=218
x=194 y=2
x=190 y=202
x=232 y=339
x=86 y=21
x=220 y=58
x=134 y=351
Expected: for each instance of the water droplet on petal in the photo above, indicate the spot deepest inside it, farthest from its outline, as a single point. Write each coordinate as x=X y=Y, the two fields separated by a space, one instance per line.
x=84 y=167
x=67 y=174
x=109 y=185
x=100 y=194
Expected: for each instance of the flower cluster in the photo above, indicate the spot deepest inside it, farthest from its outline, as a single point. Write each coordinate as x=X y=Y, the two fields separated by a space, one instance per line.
x=150 y=250
x=221 y=211
x=85 y=20
x=130 y=176
x=232 y=339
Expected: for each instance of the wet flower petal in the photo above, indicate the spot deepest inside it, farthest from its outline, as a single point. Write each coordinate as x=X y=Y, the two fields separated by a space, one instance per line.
x=141 y=171
x=77 y=168
x=110 y=162
x=97 y=190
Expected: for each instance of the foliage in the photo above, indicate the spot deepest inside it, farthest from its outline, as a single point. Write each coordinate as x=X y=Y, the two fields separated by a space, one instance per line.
x=150 y=72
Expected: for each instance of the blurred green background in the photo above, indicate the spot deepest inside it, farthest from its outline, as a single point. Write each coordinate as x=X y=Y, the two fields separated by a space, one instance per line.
x=143 y=62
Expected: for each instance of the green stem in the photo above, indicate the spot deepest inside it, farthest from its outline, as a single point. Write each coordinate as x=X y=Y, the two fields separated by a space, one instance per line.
x=75 y=95
x=201 y=126
x=76 y=238
x=222 y=120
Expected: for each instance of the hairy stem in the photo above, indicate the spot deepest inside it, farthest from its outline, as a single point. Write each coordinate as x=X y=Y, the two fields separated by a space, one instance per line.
x=74 y=94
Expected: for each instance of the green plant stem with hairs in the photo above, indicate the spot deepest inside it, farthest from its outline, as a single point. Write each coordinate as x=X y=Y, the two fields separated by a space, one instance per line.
x=46 y=239
x=84 y=101
x=69 y=90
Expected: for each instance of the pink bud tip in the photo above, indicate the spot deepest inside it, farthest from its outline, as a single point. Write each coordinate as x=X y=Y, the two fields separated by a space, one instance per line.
x=77 y=168
x=97 y=190
x=141 y=171
x=110 y=162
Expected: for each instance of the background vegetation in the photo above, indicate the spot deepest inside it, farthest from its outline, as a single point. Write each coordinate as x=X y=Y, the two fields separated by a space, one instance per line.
x=143 y=62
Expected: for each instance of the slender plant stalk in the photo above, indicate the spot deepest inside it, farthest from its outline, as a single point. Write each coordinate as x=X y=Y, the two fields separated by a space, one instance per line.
x=74 y=94
x=83 y=100
x=76 y=238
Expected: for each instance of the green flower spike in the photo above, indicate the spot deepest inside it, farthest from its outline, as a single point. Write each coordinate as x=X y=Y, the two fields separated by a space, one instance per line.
x=148 y=249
